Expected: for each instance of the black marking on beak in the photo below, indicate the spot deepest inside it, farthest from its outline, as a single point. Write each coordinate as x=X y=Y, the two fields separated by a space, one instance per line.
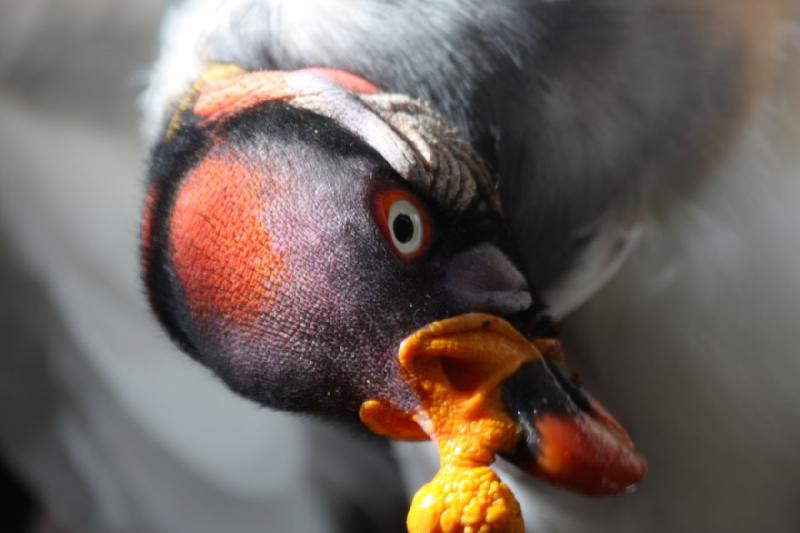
x=568 y=438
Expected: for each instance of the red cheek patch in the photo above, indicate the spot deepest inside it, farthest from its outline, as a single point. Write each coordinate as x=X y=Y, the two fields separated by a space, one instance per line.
x=221 y=250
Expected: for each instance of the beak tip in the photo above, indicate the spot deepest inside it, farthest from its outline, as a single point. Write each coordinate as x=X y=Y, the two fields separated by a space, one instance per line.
x=568 y=437
x=587 y=455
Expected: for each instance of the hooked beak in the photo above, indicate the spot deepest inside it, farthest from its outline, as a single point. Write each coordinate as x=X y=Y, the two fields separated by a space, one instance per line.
x=483 y=388
x=568 y=437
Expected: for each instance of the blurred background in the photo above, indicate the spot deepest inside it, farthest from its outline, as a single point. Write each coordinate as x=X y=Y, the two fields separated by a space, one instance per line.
x=104 y=427
x=91 y=392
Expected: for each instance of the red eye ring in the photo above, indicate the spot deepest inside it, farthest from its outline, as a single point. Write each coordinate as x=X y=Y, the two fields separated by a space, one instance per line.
x=404 y=222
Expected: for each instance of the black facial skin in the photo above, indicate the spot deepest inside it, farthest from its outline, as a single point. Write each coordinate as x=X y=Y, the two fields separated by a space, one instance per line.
x=582 y=107
x=331 y=340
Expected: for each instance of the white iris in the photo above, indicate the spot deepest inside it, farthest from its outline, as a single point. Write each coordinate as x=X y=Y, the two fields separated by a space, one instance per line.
x=405 y=226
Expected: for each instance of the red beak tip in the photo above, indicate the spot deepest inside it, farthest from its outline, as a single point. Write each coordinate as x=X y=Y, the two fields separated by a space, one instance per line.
x=588 y=455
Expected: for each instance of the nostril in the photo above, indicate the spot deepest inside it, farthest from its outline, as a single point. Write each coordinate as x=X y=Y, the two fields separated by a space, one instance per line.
x=484 y=279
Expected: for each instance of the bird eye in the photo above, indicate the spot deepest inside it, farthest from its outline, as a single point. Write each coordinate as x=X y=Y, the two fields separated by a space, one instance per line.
x=404 y=223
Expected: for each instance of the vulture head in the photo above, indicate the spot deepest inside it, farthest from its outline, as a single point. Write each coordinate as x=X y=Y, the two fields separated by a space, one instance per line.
x=300 y=226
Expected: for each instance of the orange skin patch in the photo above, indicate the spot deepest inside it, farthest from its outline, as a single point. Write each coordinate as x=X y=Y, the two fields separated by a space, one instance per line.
x=223 y=98
x=455 y=367
x=221 y=250
x=229 y=93
x=217 y=71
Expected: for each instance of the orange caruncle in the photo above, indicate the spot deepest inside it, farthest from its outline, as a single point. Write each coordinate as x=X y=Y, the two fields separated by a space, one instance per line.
x=465 y=499
x=455 y=368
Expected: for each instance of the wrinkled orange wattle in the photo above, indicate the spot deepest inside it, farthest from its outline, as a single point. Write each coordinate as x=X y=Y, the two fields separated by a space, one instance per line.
x=455 y=367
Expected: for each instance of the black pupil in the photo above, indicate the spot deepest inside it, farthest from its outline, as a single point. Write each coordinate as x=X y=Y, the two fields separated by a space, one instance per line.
x=403 y=228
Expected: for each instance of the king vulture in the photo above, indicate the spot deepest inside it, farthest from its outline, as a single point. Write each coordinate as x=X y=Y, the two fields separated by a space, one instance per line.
x=329 y=177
